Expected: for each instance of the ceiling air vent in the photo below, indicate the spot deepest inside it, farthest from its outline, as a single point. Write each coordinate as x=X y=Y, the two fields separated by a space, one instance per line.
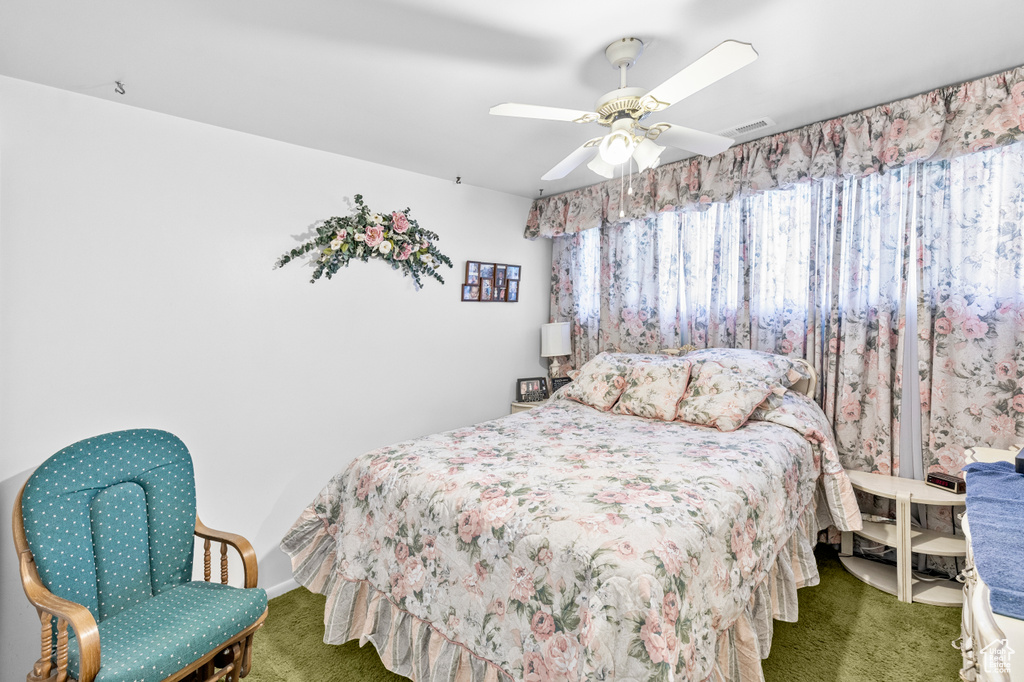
x=747 y=129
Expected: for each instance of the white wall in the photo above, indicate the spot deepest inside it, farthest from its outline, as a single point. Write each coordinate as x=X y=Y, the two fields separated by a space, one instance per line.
x=137 y=290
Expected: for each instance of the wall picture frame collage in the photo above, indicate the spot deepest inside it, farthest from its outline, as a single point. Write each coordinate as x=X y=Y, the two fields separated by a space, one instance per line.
x=491 y=282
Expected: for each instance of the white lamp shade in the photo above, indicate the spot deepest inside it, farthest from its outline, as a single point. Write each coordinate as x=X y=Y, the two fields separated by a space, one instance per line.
x=554 y=340
x=601 y=167
x=647 y=154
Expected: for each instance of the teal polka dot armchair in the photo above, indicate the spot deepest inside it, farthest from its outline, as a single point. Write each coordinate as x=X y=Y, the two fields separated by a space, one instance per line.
x=105 y=532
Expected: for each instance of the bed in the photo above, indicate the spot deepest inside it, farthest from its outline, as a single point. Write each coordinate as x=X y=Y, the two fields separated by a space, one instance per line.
x=578 y=543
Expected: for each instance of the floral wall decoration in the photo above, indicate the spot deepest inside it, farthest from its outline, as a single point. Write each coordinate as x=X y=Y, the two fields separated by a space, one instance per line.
x=394 y=238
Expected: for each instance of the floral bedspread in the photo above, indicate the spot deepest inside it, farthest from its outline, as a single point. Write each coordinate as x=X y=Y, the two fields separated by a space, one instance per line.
x=565 y=543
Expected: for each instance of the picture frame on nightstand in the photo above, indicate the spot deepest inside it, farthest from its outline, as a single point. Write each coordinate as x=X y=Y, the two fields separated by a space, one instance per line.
x=531 y=390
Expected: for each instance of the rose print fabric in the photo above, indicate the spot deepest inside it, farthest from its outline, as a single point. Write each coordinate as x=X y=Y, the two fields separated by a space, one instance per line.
x=721 y=397
x=566 y=543
x=938 y=125
x=654 y=389
x=600 y=382
x=777 y=371
x=970 y=311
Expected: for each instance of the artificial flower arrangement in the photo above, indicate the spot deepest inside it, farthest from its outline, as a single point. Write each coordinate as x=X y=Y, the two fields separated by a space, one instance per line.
x=396 y=239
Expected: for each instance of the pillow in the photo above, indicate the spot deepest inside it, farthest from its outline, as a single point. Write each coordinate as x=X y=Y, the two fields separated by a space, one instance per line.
x=654 y=389
x=600 y=382
x=721 y=397
x=754 y=364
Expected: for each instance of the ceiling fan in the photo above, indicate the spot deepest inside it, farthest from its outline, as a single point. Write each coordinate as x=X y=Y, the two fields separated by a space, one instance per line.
x=622 y=110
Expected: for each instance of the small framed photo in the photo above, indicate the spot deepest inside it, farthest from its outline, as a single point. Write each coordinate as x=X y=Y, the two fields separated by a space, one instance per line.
x=499 y=276
x=512 y=273
x=499 y=293
x=513 y=291
x=470 y=292
x=487 y=271
x=472 y=272
x=531 y=390
x=486 y=289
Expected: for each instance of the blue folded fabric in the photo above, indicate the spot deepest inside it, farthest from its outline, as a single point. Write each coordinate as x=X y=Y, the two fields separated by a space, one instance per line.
x=995 y=509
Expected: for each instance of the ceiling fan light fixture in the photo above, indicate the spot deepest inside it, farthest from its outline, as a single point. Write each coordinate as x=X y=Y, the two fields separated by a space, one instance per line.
x=617 y=146
x=647 y=154
x=601 y=167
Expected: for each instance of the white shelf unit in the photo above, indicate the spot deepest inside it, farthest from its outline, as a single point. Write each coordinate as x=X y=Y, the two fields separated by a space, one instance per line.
x=899 y=580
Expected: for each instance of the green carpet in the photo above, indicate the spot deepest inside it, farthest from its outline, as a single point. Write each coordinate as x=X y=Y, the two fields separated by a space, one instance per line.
x=848 y=632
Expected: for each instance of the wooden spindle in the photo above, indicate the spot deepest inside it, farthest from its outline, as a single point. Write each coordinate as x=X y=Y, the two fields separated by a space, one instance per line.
x=206 y=559
x=224 y=562
x=62 y=650
x=44 y=666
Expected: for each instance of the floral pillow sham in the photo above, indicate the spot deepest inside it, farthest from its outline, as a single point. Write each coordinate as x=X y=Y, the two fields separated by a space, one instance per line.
x=600 y=382
x=754 y=364
x=654 y=389
x=719 y=396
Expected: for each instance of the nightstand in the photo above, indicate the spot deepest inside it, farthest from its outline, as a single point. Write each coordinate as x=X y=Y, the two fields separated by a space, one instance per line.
x=523 y=407
x=898 y=579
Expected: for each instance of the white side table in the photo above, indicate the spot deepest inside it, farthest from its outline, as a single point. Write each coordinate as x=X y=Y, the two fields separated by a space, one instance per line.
x=523 y=407
x=898 y=580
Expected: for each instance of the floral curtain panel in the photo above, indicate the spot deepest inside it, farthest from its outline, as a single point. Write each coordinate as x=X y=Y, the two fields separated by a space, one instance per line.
x=640 y=306
x=575 y=295
x=939 y=125
x=862 y=280
x=970 y=229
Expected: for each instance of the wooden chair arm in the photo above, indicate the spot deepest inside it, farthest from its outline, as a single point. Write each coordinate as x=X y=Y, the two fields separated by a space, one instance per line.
x=77 y=616
x=250 y=566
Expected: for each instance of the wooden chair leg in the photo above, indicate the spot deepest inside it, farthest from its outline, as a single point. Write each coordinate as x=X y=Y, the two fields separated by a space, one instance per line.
x=236 y=664
x=247 y=656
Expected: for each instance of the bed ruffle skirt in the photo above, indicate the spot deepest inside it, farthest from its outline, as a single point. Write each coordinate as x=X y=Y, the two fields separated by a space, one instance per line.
x=412 y=647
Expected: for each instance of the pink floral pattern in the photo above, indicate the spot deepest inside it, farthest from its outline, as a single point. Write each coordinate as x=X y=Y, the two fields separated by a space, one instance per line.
x=971 y=311
x=654 y=389
x=600 y=382
x=941 y=124
x=836 y=303
x=777 y=371
x=566 y=543
x=721 y=397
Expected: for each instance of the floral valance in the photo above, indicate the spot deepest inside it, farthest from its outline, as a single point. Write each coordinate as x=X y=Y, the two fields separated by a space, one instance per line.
x=941 y=124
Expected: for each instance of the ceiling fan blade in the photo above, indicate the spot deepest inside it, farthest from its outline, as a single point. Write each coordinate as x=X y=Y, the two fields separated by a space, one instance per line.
x=689 y=139
x=724 y=59
x=575 y=158
x=546 y=113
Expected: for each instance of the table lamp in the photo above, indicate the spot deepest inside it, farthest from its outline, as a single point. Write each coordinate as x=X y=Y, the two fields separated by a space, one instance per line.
x=555 y=342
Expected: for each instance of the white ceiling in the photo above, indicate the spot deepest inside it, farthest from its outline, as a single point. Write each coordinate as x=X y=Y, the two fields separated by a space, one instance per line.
x=408 y=84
